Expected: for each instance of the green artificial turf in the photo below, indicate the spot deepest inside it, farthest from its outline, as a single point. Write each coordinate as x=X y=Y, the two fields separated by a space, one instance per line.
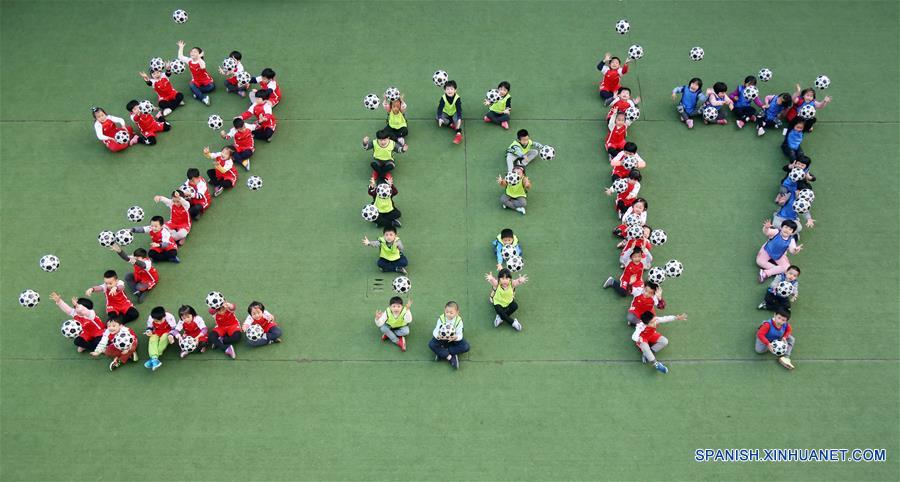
x=567 y=398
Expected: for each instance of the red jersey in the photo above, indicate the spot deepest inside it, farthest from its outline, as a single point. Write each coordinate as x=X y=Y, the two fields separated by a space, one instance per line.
x=649 y=335
x=118 y=302
x=110 y=128
x=621 y=105
x=628 y=201
x=642 y=304
x=616 y=137
x=243 y=140
x=612 y=77
x=161 y=327
x=147 y=276
x=199 y=75
x=178 y=218
x=267 y=120
x=636 y=243
x=194 y=329
x=226 y=323
x=147 y=124
x=160 y=237
x=264 y=322
x=632 y=269
x=203 y=196
x=90 y=328
x=275 y=97
x=230 y=174
x=163 y=88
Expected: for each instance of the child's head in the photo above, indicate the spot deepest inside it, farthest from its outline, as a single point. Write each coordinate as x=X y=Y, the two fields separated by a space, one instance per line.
x=630 y=147
x=390 y=234
x=792 y=273
x=520 y=170
x=634 y=175
x=650 y=289
x=624 y=93
x=235 y=55
x=196 y=53
x=113 y=324
x=614 y=63
x=262 y=95
x=720 y=88
x=695 y=84
x=799 y=126
x=156 y=74
x=187 y=313
x=647 y=231
x=640 y=205
x=504 y=277
x=267 y=74
x=506 y=236
x=647 y=318
x=451 y=309
x=99 y=113
x=785 y=99
x=749 y=80
x=803 y=162
x=256 y=310
x=637 y=255
x=140 y=254
x=110 y=278
x=781 y=316
x=396 y=104
x=193 y=173
x=158 y=313
x=395 y=304
x=450 y=88
x=620 y=119
x=522 y=136
x=788 y=228
x=156 y=223
x=227 y=151
x=238 y=123
x=503 y=88
x=382 y=138
x=808 y=94
x=83 y=306
x=132 y=106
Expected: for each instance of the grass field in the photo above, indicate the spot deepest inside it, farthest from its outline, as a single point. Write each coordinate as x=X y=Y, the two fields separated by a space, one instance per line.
x=567 y=398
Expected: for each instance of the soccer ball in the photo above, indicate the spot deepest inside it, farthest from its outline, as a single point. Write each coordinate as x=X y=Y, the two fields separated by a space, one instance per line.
x=635 y=231
x=622 y=26
x=371 y=101
x=673 y=268
x=492 y=96
x=70 y=329
x=779 y=348
x=635 y=51
x=157 y=63
x=214 y=122
x=215 y=300
x=254 y=332
x=751 y=92
x=383 y=190
x=796 y=174
x=620 y=185
x=124 y=340
x=229 y=64
x=121 y=137
x=179 y=16
x=822 y=82
x=656 y=275
x=187 y=343
x=446 y=331
x=696 y=54
x=508 y=251
x=370 y=213
x=515 y=263
x=547 y=153
x=632 y=114
x=710 y=113
x=145 y=107
x=658 y=237
x=124 y=237
x=513 y=177
x=802 y=206
x=29 y=298
x=440 y=78
x=629 y=162
x=807 y=194
x=254 y=183
x=765 y=74
x=176 y=66
x=135 y=214
x=106 y=238
x=631 y=219
x=49 y=263
x=243 y=78
x=392 y=93
x=784 y=289
x=187 y=190
x=807 y=111
x=401 y=284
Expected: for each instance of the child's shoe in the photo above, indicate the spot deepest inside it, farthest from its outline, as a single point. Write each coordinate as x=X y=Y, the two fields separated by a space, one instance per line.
x=760 y=131
x=185 y=354
x=752 y=118
x=690 y=123
x=148 y=363
x=230 y=351
x=661 y=368
x=402 y=343
x=739 y=123
x=609 y=282
x=402 y=270
x=761 y=306
x=134 y=356
x=454 y=362
x=458 y=138
x=156 y=364
x=504 y=125
x=516 y=325
x=79 y=349
x=206 y=100
x=521 y=210
x=383 y=337
x=176 y=259
x=218 y=191
x=786 y=362
x=497 y=321
x=487 y=119
x=246 y=164
x=115 y=363
x=167 y=111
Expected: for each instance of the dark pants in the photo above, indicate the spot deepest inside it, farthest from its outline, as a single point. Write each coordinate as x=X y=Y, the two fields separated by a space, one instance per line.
x=195 y=211
x=497 y=118
x=617 y=287
x=774 y=302
x=273 y=334
x=606 y=96
x=200 y=92
x=240 y=156
x=396 y=134
x=226 y=183
x=387 y=219
x=172 y=104
x=505 y=314
x=132 y=285
x=444 y=348
x=792 y=154
x=165 y=255
x=765 y=123
x=89 y=345
x=229 y=87
x=386 y=265
x=612 y=151
x=744 y=113
x=222 y=342
x=263 y=134
x=382 y=168
x=129 y=316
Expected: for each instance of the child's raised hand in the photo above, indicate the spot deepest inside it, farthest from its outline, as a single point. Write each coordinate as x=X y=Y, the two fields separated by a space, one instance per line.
x=827 y=99
x=157 y=199
x=486 y=102
x=144 y=75
x=366 y=241
x=405 y=147
x=499 y=266
x=799 y=247
x=523 y=278
x=222 y=133
x=180 y=44
x=206 y=151
x=606 y=57
x=608 y=191
x=674 y=96
x=54 y=296
x=366 y=140
x=681 y=317
x=389 y=181
x=74 y=301
x=500 y=180
x=115 y=247
x=378 y=314
x=88 y=291
x=810 y=223
x=767 y=224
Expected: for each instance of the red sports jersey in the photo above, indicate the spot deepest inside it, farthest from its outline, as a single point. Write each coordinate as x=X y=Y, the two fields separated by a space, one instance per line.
x=192 y=329
x=118 y=302
x=90 y=328
x=161 y=328
x=621 y=105
x=163 y=88
x=268 y=119
x=161 y=236
x=226 y=323
x=148 y=276
x=148 y=125
x=204 y=196
x=642 y=304
x=628 y=201
x=110 y=128
x=265 y=324
x=231 y=174
x=632 y=269
x=616 y=137
x=275 y=97
x=649 y=335
x=178 y=218
x=611 y=78
x=633 y=243
x=243 y=140
x=199 y=75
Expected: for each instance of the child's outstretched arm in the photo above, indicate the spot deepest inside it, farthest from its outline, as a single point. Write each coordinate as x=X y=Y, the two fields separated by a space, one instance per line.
x=181 y=55
x=520 y=280
x=68 y=310
x=491 y=280
x=367 y=144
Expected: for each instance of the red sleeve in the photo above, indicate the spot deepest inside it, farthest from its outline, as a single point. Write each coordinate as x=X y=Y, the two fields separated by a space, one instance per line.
x=212 y=311
x=624 y=69
x=761 y=333
x=246 y=115
x=787 y=332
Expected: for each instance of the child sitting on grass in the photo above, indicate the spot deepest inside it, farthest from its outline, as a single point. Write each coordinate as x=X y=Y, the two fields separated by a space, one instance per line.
x=447 y=340
x=498 y=112
x=396 y=128
x=649 y=341
x=160 y=330
x=776 y=328
x=144 y=277
x=774 y=301
x=394 y=321
x=107 y=347
x=515 y=194
x=388 y=214
x=383 y=150
x=691 y=97
x=258 y=315
x=612 y=69
x=774 y=109
x=717 y=97
x=505 y=238
x=449 y=110
x=82 y=311
x=192 y=325
x=390 y=251
x=632 y=278
x=772 y=256
x=522 y=151
x=503 y=293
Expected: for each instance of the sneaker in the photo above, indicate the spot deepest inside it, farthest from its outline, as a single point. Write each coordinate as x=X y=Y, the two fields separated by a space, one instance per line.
x=79 y=349
x=690 y=123
x=277 y=340
x=521 y=210
x=230 y=351
x=497 y=321
x=436 y=358
x=516 y=325
x=167 y=111
x=786 y=362
x=487 y=119
x=402 y=343
x=156 y=364
x=181 y=103
x=176 y=260
x=644 y=359
x=206 y=100
x=762 y=277
x=760 y=132
x=134 y=356
x=503 y=206
x=761 y=306
x=246 y=164
x=219 y=190
x=383 y=337
x=402 y=270
x=504 y=125
x=609 y=282
x=440 y=122
x=784 y=131
x=139 y=296
x=740 y=123
x=185 y=353
x=148 y=363
x=454 y=362
x=395 y=223
x=458 y=138
x=115 y=363
x=661 y=368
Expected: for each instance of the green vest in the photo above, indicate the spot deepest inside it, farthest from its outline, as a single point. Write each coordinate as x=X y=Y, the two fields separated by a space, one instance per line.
x=503 y=297
x=499 y=106
x=516 y=190
x=456 y=321
x=396 y=121
x=525 y=148
x=450 y=107
x=384 y=205
x=383 y=153
x=390 y=254
x=515 y=241
x=397 y=322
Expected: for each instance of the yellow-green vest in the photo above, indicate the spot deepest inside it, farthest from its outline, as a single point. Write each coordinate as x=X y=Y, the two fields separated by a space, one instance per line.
x=499 y=106
x=525 y=148
x=390 y=254
x=396 y=121
x=516 y=190
x=456 y=321
x=501 y=296
x=450 y=107
x=383 y=153
x=384 y=205
x=396 y=322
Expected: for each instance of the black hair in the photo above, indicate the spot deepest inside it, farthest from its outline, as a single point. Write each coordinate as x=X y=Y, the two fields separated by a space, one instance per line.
x=257 y=304
x=720 y=87
x=230 y=148
x=158 y=313
x=790 y=223
x=199 y=50
x=804 y=159
x=785 y=312
x=621 y=114
x=381 y=134
x=238 y=122
x=634 y=174
x=193 y=172
x=503 y=84
x=637 y=250
x=110 y=273
x=521 y=133
x=808 y=89
x=793 y=267
x=698 y=81
x=642 y=200
x=268 y=73
x=177 y=192
x=630 y=147
x=647 y=316
x=504 y=273
x=395 y=300
x=798 y=121
x=158 y=219
x=86 y=302
x=235 y=55
x=623 y=88
x=140 y=253
x=750 y=79
x=653 y=286
x=113 y=317
x=615 y=58
x=96 y=109
x=506 y=233
x=389 y=229
x=263 y=94
x=450 y=83
x=786 y=99
x=131 y=105
x=453 y=304
x=186 y=310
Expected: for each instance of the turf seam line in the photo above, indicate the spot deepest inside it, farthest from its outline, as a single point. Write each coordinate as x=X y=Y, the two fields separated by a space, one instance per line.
x=352 y=119
x=585 y=361
x=466 y=208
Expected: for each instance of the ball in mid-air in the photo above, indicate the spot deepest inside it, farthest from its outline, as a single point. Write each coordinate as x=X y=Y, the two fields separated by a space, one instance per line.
x=656 y=275
x=547 y=153
x=807 y=111
x=635 y=51
x=401 y=284
x=214 y=122
x=822 y=82
x=440 y=78
x=124 y=237
x=135 y=214
x=106 y=238
x=49 y=263
x=254 y=183
x=71 y=329
x=765 y=74
x=632 y=113
x=515 y=263
x=215 y=300
x=622 y=26
x=29 y=298
x=658 y=237
x=696 y=54
x=370 y=213
x=180 y=16
x=673 y=268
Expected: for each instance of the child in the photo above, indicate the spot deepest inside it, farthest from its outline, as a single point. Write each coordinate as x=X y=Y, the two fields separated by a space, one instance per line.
x=717 y=97
x=449 y=347
x=107 y=347
x=390 y=254
x=620 y=103
x=618 y=129
x=522 y=151
x=82 y=311
x=612 y=70
x=258 y=315
x=629 y=245
x=505 y=238
x=616 y=162
x=649 y=341
x=202 y=197
x=146 y=124
x=638 y=208
x=227 y=331
x=266 y=122
x=449 y=110
x=201 y=83
x=144 y=277
x=224 y=174
x=106 y=126
x=168 y=99
x=383 y=150
x=498 y=112
x=792 y=140
x=161 y=330
x=806 y=97
x=649 y=298
x=396 y=127
x=786 y=197
x=772 y=256
x=773 y=301
x=691 y=95
x=633 y=276
x=743 y=107
x=266 y=80
x=117 y=303
x=179 y=222
x=774 y=109
x=628 y=197
x=242 y=134
x=394 y=321
x=388 y=214
x=514 y=197
x=192 y=325
x=162 y=246
x=802 y=162
x=776 y=328
x=503 y=293
x=231 y=83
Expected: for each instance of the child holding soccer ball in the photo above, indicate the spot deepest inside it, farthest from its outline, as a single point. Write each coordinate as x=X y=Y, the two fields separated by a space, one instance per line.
x=227 y=331
x=107 y=126
x=717 y=97
x=498 y=112
x=244 y=146
x=617 y=162
x=515 y=193
x=162 y=245
x=632 y=278
x=522 y=151
x=449 y=110
x=383 y=199
x=394 y=321
x=691 y=96
x=776 y=328
x=202 y=197
x=224 y=173
x=447 y=340
x=612 y=69
x=396 y=127
x=179 y=223
x=648 y=300
x=649 y=341
x=118 y=305
x=144 y=277
x=231 y=82
x=774 y=109
x=192 y=325
x=168 y=99
x=620 y=103
x=743 y=107
x=773 y=299
x=503 y=293
x=201 y=83
x=383 y=150
x=504 y=239
x=804 y=97
x=257 y=314
x=146 y=123
x=82 y=311
x=160 y=330
x=618 y=129
x=390 y=251
x=108 y=347
x=772 y=257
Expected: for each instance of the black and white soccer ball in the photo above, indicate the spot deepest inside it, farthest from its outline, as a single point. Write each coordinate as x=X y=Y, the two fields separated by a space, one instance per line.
x=135 y=214
x=801 y=206
x=513 y=178
x=179 y=16
x=631 y=219
x=187 y=343
x=658 y=237
x=106 y=238
x=145 y=107
x=371 y=101
x=508 y=251
x=492 y=96
x=807 y=194
x=710 y=113
x=632 y=113
x=629 y=162
x=822 y=82
x=635 y=231
x=656 y=275
x=392 y=94
x=515 y=263
x=254 y=332
x=696 y=54
x=123 y=340
x=370 y=213
x=620 y=185
x=71 y=329
x=243 y=78
x=157 y=63
x=49 y=263
x=29 y=298
x=176 y=66
x=446 y=331
x=779 y=348
x=807 y=111
x=229 y=64
x=124 y=237
x=635 y=51
x=785 y=289
x=254 y=183
x=214 y=122
x=547 y=153
x=622 y=26
x=751 y=92
x=673 y=268
x=383 y=190
x=796 y=174
x=401 y=284
x=440 y=78
x=121 y=137
x=765 y=74
x=187 y=190
x=215 y=300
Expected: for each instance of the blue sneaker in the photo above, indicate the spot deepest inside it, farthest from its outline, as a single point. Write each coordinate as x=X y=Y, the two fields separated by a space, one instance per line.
x=156 y=364
x=662 y=368
x=148 y=364
x=454 y=362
